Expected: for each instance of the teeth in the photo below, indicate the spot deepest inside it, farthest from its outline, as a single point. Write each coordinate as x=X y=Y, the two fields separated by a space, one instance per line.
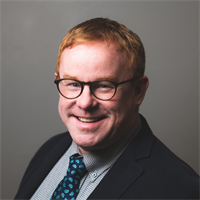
x=87 y=120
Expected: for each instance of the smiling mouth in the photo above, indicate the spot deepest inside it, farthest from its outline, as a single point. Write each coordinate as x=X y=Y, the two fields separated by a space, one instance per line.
x=89 y=120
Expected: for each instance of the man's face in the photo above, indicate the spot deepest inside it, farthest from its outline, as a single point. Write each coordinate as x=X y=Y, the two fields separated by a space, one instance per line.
x=93 y=123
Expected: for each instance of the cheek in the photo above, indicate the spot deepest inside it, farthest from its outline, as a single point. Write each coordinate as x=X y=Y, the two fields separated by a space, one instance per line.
x=61 y=109
x=125 y=106
x=117 y=110
x=63 y=106
x=60 y=104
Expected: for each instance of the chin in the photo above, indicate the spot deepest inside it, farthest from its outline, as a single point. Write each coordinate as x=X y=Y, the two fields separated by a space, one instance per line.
x=88 y=142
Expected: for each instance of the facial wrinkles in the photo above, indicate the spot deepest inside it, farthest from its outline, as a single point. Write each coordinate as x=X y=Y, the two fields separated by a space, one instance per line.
x=97 y=111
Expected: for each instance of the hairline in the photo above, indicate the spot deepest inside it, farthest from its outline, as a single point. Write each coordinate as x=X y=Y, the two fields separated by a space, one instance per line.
x=82 y=41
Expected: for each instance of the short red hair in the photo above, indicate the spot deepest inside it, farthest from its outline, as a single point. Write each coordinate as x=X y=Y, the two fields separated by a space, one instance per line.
x=104 y=29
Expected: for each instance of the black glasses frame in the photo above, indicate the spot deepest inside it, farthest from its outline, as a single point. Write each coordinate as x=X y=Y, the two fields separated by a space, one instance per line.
x=90 y=84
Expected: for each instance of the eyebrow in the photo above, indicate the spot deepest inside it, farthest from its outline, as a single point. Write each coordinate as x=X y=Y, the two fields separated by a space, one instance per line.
x=68 y=76
x=110 y=78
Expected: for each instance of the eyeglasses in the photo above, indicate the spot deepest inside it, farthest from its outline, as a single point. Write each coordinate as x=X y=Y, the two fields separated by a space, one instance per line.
x=103 y=90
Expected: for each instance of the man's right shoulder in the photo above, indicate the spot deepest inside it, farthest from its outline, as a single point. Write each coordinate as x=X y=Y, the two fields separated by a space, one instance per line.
x=42 y=162
x=58 y=141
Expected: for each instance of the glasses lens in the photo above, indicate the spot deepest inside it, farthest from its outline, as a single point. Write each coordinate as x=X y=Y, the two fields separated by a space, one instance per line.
x=103 y=89
x=69 y=88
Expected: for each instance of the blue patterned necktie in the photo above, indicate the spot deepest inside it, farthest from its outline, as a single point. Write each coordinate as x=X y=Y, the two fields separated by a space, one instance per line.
x=68 y=188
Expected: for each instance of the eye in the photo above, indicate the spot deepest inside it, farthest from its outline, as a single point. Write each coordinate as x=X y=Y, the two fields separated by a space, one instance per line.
x=71 y=84
x=103 y=86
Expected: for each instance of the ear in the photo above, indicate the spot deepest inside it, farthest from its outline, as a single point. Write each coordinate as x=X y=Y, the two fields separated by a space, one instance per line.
x=55 y=75
x=140 y=88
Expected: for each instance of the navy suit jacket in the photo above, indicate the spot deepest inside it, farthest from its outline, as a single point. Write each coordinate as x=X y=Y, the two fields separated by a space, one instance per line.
x=147 y=169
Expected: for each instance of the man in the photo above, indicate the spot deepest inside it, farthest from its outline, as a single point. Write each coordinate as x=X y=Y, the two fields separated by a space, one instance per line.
x=100 y=78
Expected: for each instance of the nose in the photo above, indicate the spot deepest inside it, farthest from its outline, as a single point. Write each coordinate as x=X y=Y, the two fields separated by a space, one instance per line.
x=86 y=100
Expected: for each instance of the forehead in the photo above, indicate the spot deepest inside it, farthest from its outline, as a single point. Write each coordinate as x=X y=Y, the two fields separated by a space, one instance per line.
x=97 y=59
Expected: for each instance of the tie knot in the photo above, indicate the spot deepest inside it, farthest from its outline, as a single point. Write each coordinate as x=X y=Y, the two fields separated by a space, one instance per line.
x=77 y=167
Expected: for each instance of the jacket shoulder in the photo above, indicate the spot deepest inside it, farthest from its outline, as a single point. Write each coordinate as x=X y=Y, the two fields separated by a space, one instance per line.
x=50 y=144
x=165 y=175
x=53 y=144
x=42 y=162
x=168 y=175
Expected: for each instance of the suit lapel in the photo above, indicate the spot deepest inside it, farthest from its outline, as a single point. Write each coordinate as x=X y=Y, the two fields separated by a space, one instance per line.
x=126 y=170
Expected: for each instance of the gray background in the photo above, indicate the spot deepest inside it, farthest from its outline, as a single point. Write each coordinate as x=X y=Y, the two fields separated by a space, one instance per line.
x=30 y=36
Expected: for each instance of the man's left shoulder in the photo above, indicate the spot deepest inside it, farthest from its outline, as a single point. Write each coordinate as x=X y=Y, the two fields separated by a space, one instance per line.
x=165 y=171
x=172 y=171
x=168 y=162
